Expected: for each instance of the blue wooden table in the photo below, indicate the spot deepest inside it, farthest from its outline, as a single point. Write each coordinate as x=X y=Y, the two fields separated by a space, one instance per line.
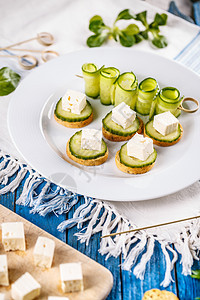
x=126 y=286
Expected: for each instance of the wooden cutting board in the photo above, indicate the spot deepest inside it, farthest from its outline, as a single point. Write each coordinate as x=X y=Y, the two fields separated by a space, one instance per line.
x=98 y=280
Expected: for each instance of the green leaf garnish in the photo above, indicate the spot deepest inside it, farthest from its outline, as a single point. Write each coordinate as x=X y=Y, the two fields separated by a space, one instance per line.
x=142 y=17
x=96 y=24
x=126 y=40
x=160 y=41
x=131 y=29
x=125 y=14
x=96 y=40
x=130 y=35
x=8 y=81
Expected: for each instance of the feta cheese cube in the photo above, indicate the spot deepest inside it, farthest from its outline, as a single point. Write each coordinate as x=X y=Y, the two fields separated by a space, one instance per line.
x=55 y=298
x=25 y=288
x=43 y=252
x=71 y=277
x=140 y=147
x=13 y=236
x=2 y=296
x=74 y=102
x=3 y=270
x=91 y=139
x=165 y=123
x=123 y=115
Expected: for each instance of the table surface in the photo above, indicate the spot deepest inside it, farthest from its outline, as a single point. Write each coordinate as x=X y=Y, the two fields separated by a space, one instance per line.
x=126 y=286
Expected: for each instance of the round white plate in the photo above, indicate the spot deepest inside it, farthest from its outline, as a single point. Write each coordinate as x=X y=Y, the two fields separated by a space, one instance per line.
x=42 y=141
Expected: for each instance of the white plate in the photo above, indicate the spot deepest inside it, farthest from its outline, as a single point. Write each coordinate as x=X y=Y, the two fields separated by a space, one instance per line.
x=42 y=141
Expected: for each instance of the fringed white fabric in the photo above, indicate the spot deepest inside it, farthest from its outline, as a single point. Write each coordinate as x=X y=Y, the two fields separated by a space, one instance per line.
x=95 y=216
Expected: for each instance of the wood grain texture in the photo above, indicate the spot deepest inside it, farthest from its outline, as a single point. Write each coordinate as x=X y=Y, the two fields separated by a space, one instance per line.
x=19 y=262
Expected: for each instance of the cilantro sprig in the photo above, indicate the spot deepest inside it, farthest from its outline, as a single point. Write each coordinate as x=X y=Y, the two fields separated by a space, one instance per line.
x=131 y=34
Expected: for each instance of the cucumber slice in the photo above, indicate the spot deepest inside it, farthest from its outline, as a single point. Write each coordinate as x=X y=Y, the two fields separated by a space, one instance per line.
x=91 y=75
x=107 y=77
x=133 y=162
x=126 y=89
x=75 y=148
x=70 y=117
x=168 y=100
x=154 y=134
x=114 y=128
x=147 y=90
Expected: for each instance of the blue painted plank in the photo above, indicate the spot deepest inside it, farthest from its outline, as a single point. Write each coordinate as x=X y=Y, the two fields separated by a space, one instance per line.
x=112 y=264
x=154 y=275
x=189 y=288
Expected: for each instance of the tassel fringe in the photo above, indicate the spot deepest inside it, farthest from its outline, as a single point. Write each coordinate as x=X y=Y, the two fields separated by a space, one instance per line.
x=95 y=216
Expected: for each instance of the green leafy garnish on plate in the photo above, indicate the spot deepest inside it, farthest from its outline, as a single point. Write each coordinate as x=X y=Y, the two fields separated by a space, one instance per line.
x=131 y=34
x=8 y=81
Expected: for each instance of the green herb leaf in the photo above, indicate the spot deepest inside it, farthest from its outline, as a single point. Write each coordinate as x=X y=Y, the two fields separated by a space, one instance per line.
x=142 y=17
x=96 y=24
x=144 y=34
x=138 y=38
x=195 y=274
x=160 y=19
x=125 y=14
x=160 y=41
x=126 y=40
x=96 y=40
x=131 y=29
x=8 y=81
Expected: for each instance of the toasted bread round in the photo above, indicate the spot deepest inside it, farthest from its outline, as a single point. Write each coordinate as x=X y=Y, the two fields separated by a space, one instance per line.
x=129 y=170
x=79 y=124
x=156 y=294
x=162 y=143
x=119 y=138
x=87 y=162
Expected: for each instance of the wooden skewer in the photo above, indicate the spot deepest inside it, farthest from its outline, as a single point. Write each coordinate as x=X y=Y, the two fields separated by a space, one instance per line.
x=151 y=226
x=79 y=76
x=44 y=38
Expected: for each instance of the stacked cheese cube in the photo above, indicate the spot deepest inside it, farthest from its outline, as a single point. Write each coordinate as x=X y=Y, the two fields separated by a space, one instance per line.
x=74 y=102
x=123 y=115
x=165 y=123
x=140 y=147
x=91 y=139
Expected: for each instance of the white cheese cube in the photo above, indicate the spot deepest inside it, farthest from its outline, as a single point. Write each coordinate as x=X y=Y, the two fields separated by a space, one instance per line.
x=71 y=277
x=25 y=288
x=57 y=298
x=140 y=147
x=91 y=139
x=74 y=102
x=2 y=296
x=43 y=252
x=3 y=270
x=165 y=123
x=13 y=236
x=123 y=115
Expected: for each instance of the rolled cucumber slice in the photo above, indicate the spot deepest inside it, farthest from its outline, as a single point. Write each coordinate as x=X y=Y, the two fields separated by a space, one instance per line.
x=168 y=99
x=70 y=117
x=91 y=76
x=133 y=162
x=107 y=77
x=147 y=90
x=77 y=151
x=154 y=134
x=114 y=128
x=126 y=89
